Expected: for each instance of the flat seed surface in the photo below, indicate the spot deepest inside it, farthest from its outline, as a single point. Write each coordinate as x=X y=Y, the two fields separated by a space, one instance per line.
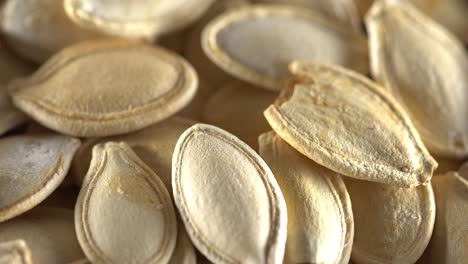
x=229 y=200
x=320 y=219
x=449 y=243
x=137 y=19
x=392 y=225
x=235 y=41
x=15 y=252
x=425 y=67
x=48 y=232
x=36 y=29
x=124 y=213
x=346 y=123
x=31 y=168
x=106 y=88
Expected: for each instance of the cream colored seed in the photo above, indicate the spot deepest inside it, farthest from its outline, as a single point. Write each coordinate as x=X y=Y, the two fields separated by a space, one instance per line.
x=124 y=213
x=320 y=220
x=345 y=122
x=236 y=40
x=228 y=199
x=106 y=88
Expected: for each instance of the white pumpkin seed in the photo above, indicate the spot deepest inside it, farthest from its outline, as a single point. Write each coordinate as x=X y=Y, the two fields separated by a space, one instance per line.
x=15 y=252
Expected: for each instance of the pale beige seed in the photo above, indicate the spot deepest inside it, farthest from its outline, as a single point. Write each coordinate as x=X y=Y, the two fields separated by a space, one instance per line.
x=344 y=11
x=184 y=252
x=10 y=68
x=15 y=252
x=238 y=108
x=392 y=225
x=106 y=88
x=31 y=168
x=36 y=29
x=320 y=219
x=347 y=123
x=135 y=19
x=256 y=43
x=451 y=14
x=449 y=243
x=154 y=145
x=194 y=53
x=229 y=200
x=124 y=214
x=425 y=67
x=48 y=232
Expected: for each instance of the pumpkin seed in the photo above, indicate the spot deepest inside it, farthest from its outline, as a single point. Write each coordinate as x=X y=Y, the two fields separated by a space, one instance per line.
x=425 y=67
x=449 y=243
x=343 y=11
x=15 y=252
x=36 y=29
x=135 y=19
x=229 y=200
x=48 y=232
x=238 y=108
x=184 y=252
x=392 y=225
x=235 y=41
x=31 y=167
x=346 y=123
x=124 y=213
x=154 y=145
x=106 y=88
x=320 y=219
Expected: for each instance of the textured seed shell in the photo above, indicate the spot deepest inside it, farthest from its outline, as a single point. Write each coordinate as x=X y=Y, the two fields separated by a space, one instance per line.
x=15 y=252
x=425 y=67
x=229 y=200
x=154 y=145
x=320 y=219
x=48 y=232
x=135 y=19
x=236 y=41
x=348 y=124
x=10 y=68
x=344 y=11
x=238 y=108
x=124 y=214
x=449 y=243
x=31 y=168
x=36 y=29
x=106 y=88
x=392 y=225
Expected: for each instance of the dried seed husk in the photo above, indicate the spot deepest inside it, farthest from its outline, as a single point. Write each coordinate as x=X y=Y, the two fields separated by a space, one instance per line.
x=48 y=232
x=236 y=41
x=11 y=67
x=106 y=88
x=452 y=15
x=238 y=108
x=154 y=145
x=347 y=123
x=320 y=219
x=228 y=199
x=135 y=19
x=194 y=53
x=449 y=243
x=425 y=67
x=36 y=29
x=184 y=252
x=392 y=225
x=15 y=252
x=31 y=168
x=124 y=214
x=343 y=11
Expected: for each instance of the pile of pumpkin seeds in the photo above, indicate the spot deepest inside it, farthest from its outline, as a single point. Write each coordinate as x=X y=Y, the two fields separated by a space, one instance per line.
x=233 y=131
